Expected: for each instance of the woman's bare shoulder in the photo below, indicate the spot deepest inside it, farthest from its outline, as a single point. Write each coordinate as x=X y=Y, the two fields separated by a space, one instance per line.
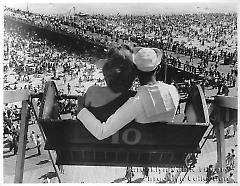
x=93 y=89
x=93 y=94
x=89 y=95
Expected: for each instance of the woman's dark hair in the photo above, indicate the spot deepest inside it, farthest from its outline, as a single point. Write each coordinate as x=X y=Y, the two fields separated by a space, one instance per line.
x=119 y=71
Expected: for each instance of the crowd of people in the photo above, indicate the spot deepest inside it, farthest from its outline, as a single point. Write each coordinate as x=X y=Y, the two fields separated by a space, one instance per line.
x=211 y=75
x=231 y=160
x=210 y=36
x=31 y=57
x=159 y=31
x=11 y=117
x=219 y=30
x=230 y=167
x=11 y=128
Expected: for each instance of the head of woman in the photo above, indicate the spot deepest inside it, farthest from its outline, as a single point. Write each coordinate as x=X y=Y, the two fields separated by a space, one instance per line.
x=119 y=71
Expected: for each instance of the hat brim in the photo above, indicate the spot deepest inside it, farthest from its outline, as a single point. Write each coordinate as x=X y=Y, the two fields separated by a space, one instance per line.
x=158 y=52
x=101 y=63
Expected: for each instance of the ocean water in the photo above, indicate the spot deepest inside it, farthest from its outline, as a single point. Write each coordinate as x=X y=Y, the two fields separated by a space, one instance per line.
x=125 y=8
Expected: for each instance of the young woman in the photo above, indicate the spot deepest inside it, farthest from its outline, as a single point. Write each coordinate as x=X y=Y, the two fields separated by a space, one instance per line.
x=119 y=73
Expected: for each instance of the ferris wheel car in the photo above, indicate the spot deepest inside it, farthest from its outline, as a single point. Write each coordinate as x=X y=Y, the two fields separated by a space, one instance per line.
x=154 y=144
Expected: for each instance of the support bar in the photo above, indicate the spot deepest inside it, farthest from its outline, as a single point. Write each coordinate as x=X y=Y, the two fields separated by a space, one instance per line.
x=59 y=97
x=22 y=144
x=11 y=96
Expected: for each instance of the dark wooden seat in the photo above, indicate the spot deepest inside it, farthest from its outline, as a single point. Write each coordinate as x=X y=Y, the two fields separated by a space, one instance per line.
x=153 y=144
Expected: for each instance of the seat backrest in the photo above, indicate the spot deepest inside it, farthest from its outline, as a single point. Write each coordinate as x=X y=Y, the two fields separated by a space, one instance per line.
x=49 y=108
x=153 y=144
x=196 y=110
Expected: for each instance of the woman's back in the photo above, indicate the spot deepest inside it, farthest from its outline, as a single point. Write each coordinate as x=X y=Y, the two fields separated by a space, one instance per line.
x=103 y=103
x=97 y=96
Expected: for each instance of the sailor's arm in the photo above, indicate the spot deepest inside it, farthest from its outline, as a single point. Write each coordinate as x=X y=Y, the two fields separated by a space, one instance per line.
x=124 y=115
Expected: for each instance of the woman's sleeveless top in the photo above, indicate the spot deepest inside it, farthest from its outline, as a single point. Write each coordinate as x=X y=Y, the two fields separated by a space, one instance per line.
x=102 y=113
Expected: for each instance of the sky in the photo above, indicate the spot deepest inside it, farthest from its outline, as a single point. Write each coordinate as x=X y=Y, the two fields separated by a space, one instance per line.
x=125 y=8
